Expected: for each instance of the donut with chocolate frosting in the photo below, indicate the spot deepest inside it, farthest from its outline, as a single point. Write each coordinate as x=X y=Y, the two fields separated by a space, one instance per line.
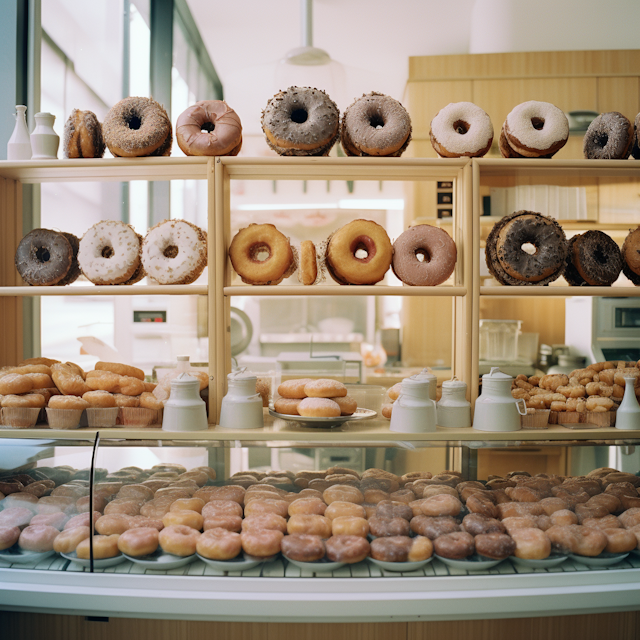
x=593 y=258
x=609 y=137
x=209 y=128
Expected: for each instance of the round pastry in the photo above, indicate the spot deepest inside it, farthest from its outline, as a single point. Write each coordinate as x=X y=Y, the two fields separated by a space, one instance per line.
x=496 y=546
x=620 y=540
x=191 y=519
x=141 y=541
x=261 y=255
x=113 y=523
x=535 y=129
x=433 y=527
x=347 y=405
x=303 y=547
x=593 y=258
x=307 y=506
x=43 y=257
x=219 y=544
x=318 y=408
x=564 y=517
x=123 y=507
x=325 y=388
x=99 y=399
x=174 y=252
x=209 y=128
x=179 y=540
x=287 y=406
x=230 y=523
x=309 y=524
x=383 y=527
x=74 y=271
x=441 y=505
x=69 y=539
x=220 y=508
x=269 y=521
x=15 y=517
x=461 y=129
x=139 y=522
x=57 y=519
x=301 y=121
x=375 y=125
x=457 y=545
x=342 y=508
x=342 y=493
x=542 y=262
x=531 y=543
x=261 y=543
x=477 y=524
x=401 y=549
x=424 y=256
x=83 y=136
x=8 y=537
x=137 y=127
x=308 y=269
x=393 y=509
x=120 y=369
x=258 y=507
x=191 y=504
x=349 y=549
x=109 y=252
x=294 y=389
x=359 y=253
x=231 y=492
x=631 y=256
x=609 y=137
x=605 y=522
x=103 y=547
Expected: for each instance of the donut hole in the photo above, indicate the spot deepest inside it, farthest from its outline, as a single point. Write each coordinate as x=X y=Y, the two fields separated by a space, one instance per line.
x=207 y=127
x=461 y=127
x=107 y=252
x=299 y=115
x=42 y=254
x=260 y=253
x=376 y=121
x=601 y=139
x=600 y=256
x=134 y=123
x=422 y=255
x=529 y=248
x=171 y=251
x=537 y=123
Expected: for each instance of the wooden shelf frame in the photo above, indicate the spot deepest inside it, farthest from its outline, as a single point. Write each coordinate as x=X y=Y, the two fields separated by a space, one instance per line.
x=108 y=290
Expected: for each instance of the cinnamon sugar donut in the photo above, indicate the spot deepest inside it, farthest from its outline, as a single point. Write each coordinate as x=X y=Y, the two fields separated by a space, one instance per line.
x=209 y=128
x=219 y=544
x=83 y=136
x=609 y=137
x=308 y=269
x=461 y=129
x=531 y=543
x=318 y=408
x=438 y=252
x=477 y=524
x=348 y=549
x=402 y=549
x=535 y=129
x=441 y=505
x=259 y=507
x=432 y=527
x=394 y=509
x=303 y=547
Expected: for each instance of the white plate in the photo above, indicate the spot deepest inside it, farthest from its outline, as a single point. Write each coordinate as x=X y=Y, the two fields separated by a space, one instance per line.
x=545 y=563
x=240 y=563
x=472 y=563
x=603 y=560
x=161 y=560
x=325 y=423
x=16 y=555
x=101 y=563
x=400 y=566
x=319 y=566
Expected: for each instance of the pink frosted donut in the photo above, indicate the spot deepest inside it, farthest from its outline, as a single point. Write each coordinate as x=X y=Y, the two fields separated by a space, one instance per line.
x=461 y=129
x=535 y=129
x=437 y=249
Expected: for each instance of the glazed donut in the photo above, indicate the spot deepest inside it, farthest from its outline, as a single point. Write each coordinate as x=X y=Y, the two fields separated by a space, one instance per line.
x=308 y=268
x=461 y=129
x=43 y=257
x=141 y=541
x=438 y=252
x=349 y=526
x=209 y=128
x=109 y=252
x=56 y=519
x=477 y=524
x=631 y=255
x=174 y=252
x=341 y=508
x=393 y=509
x=563 y=517
x=441 y=505
x=383 y=527
x=259 y=507
x=135 y=492
x=8 y=537
x=230 y=523
x=609 y=137
x=137 y=127
x=287 y=406
x=457 y=545
x=179 y=540
x=342 y=493
x=191 y=519
x=264 y=521
x=531 y=543
x=113 y=523
x=605 y=522
x=15 y=383
x=83 y=136
x=15 y=517
x=510 y=264
x=294 y=389
x=359 y=236
x=303 y=547
x=219 y=544
x=375 y=125
x=301 y=121
x=348 y=549
x=221 y=508
x=99 y=399
x=496 y=546
x=593 y=258
x=261 y=543
x=318 y=408
x=307 y=506
x=103 y=547
x=231 y=492
x=535 y=129
x=191 y=504
x=139 y=522
x=40 y=537
x=432 y=527
x=325 y=388
x=309 y=524
x=620 y=540
x=67 y=541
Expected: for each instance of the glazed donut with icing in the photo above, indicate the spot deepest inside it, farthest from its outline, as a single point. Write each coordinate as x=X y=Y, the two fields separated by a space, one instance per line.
x=535 y=129
x=344 y=258
x=174 y=252
x=461 y=129
x=209 y=128
x=437 y=250
x=247 y=254
x=609 y=137
x=83 y=136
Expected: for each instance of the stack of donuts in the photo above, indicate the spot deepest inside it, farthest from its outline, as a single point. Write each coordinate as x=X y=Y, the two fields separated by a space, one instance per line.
x=321 y=398
x=311 y=515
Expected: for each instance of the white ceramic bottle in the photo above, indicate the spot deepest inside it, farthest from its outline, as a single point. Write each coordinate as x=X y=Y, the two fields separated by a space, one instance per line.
x=414 y=411
x=44 y=140
x=19 y=145
x=496 y=409
x=454 y=410
x=426 y=374
x=242 y=406
x=628 y=413
x=185 y=409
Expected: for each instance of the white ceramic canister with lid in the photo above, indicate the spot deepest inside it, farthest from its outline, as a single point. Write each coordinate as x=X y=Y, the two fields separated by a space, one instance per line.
x=242 y=406
x=44 y=140
x=414 y=411
x=496 y=409
x=454 y=410
x=426 y=374
x=185 y=409
x=628 y=413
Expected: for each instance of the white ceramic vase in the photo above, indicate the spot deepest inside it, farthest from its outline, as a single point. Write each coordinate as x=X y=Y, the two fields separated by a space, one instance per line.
x=414 y=411
x=242 y=406
x=19 y=145
x=454 y=410
x=185 y=409
x=628 y=413
x=44 y=140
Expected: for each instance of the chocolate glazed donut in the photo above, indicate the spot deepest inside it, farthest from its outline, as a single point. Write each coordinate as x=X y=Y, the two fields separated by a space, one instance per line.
x=593 y=259
x=43 y=257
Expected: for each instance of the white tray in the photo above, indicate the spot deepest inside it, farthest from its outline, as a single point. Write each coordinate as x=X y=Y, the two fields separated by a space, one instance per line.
x=319 y=566
x=325 y=423
x=239 y=563
x=16 y=555
x=98 y=563
x=545 y=563
x=400 y=566
x=603 y=560
x=472 y=563
x=161 y=560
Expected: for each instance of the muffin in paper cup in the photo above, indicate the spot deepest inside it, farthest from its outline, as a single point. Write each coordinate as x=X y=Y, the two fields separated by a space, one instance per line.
x=64 y=418
x=139 y=417
x=535 y=419
x=20 y=417
x=102 y=416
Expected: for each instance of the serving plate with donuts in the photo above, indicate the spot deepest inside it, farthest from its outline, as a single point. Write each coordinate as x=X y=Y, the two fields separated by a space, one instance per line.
x=161 y=561
x=472 y=563
x=98 y=563
x=16 y=555
x=318 y=566
x=242 y=562
x=325 y=423
x=602 y=560
x=545 y=563
x=400 y=566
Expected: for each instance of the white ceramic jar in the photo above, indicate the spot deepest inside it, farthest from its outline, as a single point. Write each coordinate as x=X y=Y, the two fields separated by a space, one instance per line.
x=496 y=409
x=185 y=409
x=44 y=140
x=454 y=410
x=414 y=411
x=242 y=406
x=628 y=413
x=19 y=145
x=426 y=374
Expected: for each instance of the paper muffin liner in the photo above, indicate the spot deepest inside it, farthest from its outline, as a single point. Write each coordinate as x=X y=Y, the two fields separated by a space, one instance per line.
x=64 y=418
x=20 y=417
x=139 y=416
x=537 y=420
x=102 y=416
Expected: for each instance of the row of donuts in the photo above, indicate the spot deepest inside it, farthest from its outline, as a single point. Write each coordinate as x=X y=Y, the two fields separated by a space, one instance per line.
x=111 y=252
x=359 y=253
x=591 y=258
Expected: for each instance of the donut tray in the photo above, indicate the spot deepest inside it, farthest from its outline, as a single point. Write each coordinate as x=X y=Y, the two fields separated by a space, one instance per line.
x=325 y=423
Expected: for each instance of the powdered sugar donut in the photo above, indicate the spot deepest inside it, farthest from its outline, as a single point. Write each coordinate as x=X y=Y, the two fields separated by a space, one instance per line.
x=325 y=388
x=318 y=408
x=109 y=252
x=461 y=129
x=174 y=252
x=535 y=129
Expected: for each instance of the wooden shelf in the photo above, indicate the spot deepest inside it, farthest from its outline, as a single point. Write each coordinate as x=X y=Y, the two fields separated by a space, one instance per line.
x=109 y=290
x=347 y=290
x=609 y=292
x=538 y=167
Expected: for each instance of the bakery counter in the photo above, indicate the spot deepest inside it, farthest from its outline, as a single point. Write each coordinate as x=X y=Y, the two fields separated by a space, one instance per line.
x=280 y=592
